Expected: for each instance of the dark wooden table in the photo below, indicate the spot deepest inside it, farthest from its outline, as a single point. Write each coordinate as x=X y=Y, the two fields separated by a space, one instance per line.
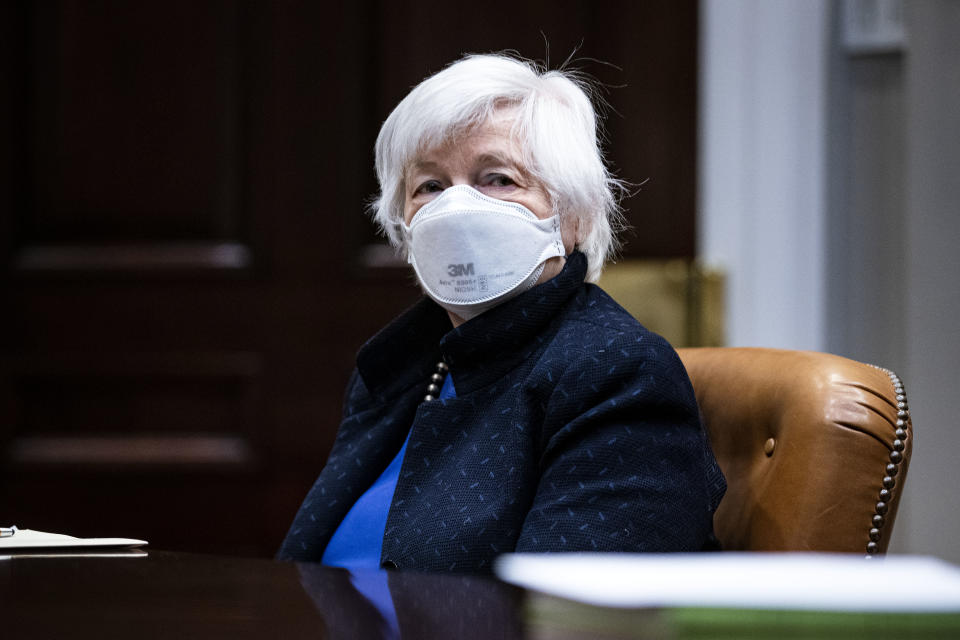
x=184 y=596
x=179 y=595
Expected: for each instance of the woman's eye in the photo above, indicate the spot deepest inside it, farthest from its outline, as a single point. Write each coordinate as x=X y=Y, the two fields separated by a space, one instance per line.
x=430 y=186
x=500 y=180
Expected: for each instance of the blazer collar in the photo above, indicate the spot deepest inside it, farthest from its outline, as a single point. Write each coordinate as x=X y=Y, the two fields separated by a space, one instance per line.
x=480 y=351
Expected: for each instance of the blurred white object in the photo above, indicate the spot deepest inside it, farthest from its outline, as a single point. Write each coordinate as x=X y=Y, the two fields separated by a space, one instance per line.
x=795 y=581
x=29 y=539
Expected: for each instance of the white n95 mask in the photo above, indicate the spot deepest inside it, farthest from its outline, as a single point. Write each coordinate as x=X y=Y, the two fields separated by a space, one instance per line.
x=472 y=252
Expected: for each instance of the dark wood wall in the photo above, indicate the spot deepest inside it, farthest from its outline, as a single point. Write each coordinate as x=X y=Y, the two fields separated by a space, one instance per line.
x=187 y=268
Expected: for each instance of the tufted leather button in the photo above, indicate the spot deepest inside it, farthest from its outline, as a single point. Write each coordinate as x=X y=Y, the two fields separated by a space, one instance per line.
x=388 y=564
x=769 y=446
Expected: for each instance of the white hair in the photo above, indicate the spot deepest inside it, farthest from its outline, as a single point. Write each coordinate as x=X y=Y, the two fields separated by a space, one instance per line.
x=555 y=124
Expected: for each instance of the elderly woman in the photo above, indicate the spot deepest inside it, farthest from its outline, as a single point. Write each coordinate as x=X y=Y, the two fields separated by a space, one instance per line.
x=514 y=408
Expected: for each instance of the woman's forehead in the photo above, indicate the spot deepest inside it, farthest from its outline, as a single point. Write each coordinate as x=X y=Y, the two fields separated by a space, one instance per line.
x=493 y=140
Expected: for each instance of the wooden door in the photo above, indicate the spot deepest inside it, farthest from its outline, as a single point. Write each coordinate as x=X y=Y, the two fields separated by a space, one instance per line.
x=187 y=267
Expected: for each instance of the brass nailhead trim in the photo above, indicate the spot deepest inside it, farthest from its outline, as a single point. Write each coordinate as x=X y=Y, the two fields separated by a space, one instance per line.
x=885 y=494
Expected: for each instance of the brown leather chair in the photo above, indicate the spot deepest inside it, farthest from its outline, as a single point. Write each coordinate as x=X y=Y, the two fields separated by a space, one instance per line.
x=814 y=447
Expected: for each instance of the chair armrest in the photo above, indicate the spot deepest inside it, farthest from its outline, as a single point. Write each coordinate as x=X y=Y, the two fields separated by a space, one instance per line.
x=810 y=445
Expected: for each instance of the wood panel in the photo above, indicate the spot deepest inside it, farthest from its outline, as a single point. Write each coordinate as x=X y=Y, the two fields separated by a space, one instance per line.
x=117 y=92
x=125 y=410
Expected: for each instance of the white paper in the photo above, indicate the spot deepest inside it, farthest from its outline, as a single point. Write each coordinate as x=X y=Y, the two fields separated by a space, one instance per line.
x=29 y=539
x=796 y=581
x=60 y=554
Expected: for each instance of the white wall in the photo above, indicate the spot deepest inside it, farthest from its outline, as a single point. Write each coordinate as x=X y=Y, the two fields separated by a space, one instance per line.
x=762 y=178
x=838 y=217
x=866 y=166
x=932 y=291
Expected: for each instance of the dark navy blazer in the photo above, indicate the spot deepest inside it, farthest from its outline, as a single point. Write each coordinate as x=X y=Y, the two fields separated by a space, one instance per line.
x=574 y=428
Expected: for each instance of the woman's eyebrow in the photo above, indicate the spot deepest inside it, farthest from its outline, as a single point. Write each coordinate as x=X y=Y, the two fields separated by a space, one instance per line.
x=422 y=165
x=498 y=159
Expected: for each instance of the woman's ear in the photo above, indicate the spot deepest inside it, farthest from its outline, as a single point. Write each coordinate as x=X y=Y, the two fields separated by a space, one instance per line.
x=573 y=230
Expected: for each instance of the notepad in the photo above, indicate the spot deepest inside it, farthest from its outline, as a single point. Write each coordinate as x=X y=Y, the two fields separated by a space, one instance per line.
x=30 y=539
x=796 y=581
x=736 y=595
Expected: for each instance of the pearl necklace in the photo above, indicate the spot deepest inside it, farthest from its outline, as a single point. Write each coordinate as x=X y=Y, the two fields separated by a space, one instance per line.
x=436 y=382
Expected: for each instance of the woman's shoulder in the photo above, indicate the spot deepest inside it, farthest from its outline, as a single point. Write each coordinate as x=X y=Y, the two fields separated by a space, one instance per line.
x=596 y=327
x=598 y=352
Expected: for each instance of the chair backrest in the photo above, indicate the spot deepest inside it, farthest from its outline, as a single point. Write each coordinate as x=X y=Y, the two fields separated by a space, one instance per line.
x=814 y=447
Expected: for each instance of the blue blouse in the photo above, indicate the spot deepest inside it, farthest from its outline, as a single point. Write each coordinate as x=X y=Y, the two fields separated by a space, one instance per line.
x=358 y=541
